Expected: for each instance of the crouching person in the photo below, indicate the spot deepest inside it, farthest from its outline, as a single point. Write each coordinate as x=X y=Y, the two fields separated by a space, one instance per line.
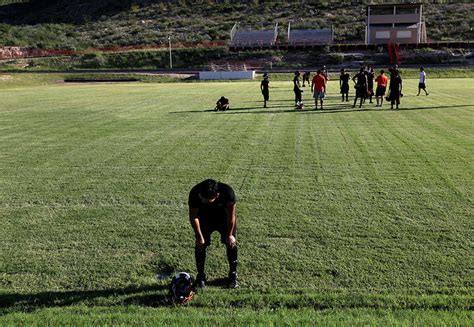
x=222 y=104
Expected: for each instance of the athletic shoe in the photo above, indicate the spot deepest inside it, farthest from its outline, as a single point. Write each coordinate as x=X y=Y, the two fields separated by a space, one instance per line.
x=201 y=281
x=233 y=280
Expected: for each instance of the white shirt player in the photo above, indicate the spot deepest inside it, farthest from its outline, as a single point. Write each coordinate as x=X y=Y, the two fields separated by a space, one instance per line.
x=422 y=77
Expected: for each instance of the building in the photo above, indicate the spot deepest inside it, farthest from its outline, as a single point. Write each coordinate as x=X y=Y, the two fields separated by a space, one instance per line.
x=395 y=23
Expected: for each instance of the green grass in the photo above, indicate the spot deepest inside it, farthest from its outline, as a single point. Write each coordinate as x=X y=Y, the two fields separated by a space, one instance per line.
x=344 y=215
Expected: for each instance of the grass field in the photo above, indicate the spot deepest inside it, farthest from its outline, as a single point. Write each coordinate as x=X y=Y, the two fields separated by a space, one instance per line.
x=344 y=215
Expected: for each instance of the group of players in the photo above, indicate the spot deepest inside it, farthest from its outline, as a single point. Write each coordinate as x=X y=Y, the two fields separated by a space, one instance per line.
x=364 y=82
x=212 y=204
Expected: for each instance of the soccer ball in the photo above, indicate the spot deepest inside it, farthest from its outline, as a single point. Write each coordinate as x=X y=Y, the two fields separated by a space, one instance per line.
x=299 y=105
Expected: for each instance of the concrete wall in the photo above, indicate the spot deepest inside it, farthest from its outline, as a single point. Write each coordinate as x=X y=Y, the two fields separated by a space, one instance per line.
x=390 y=19
x=227 y=75
x=383 y=35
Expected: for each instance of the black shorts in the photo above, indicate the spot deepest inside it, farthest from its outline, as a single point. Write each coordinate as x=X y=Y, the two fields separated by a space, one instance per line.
x=297 y=94
x=380 y=92
x=361 y=91
x=393 y=96
x=422 y=86
x=215 y=221
x=344 y=88
x=266 y=94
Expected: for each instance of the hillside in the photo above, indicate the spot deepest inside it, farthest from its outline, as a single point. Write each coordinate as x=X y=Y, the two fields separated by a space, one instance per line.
x=74 y=24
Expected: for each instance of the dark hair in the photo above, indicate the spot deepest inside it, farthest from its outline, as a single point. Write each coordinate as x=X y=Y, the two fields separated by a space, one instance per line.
x=297 y=73
x=209 y=189
x=382 y=71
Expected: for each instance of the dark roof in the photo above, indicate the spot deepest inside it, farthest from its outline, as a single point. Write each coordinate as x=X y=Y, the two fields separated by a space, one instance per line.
x=401 y=5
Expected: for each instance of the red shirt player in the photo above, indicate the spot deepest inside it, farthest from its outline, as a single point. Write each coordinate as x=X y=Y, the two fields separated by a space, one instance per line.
x=318 y=87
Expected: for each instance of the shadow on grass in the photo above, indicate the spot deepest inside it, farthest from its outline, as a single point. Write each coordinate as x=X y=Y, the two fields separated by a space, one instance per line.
x=341 y=108
x=329 y=108
x=231 y=109
x=150 y=295
x=218 y=282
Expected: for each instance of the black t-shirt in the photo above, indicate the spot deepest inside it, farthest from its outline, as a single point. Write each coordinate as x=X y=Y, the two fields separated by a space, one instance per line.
x=370 y=79
x=226 y=197
x=393 y=72
x=345 y=78
x=395 y=82
x=265 y=84
x=223 y=101
x=296 y=83
x=361 y=79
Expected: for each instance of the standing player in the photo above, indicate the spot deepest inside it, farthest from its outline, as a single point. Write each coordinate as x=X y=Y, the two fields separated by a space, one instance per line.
x=395 y=89
x=344 y=84
x=370 y=83
x=264 y=87
x=382 y=81
x=324 y=71
x=212 y=208
x=318 y=86
x=421 y=84
x=297 y=89
x=360 y=86
x=392 y=70
x=306 y=78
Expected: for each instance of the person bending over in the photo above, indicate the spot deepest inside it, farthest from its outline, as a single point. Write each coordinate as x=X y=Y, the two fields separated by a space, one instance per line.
x=212 y=208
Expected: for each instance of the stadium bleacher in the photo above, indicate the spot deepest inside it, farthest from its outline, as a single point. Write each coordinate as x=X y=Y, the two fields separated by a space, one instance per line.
x=254 y=39
x=268 y=38
x=310 y=37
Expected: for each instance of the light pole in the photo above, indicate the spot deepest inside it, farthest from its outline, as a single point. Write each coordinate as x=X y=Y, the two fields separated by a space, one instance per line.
x=169 y=45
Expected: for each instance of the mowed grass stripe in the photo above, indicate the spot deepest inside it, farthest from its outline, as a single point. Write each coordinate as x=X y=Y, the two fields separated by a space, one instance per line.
x=95 y=182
